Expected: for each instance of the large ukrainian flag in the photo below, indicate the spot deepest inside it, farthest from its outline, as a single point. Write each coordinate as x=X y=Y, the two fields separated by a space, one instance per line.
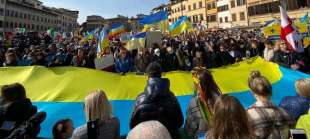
x=180 y=26
x=158 y=21
x=61 y=91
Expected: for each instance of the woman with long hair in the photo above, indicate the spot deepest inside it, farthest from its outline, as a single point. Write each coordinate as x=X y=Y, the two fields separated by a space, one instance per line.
x=230 y=120
x=199 y=111
x=98 y=112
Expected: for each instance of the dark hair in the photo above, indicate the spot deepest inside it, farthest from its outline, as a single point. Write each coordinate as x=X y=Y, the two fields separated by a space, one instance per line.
x=207 y=82
x=267 y=42
x=154 y=70
x=13 y=92
x=230 y=120
x=259 y=84
x=59 y=128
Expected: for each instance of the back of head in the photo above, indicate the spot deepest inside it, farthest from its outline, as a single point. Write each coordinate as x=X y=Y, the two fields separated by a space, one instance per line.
x=149 y=130
x=230 y=119
x=97 y=106
x=303 y=87
x=13 y=92
x=154 y=70
x=259 y=84
x=203 y=78
x=61 y=129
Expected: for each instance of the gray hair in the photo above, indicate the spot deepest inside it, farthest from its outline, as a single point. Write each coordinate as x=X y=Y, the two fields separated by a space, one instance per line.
x=149 y=130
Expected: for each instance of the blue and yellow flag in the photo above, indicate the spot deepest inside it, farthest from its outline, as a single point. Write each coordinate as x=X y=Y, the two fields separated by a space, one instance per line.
x=104 y=42
x=158 y=21
x=180 y=26
x=61 y=91
x=138 y=41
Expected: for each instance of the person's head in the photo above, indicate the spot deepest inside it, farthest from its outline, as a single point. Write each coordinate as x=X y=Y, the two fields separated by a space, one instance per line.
x=10 y=58
x=170 y=50
x=97 y=106
x=63 y=129
x=198 y=54
x=13 y=92
x=141 y=51
x=149 y=130
x=303 y=87
x=230 y=119
x=268 y=44
x=222 y=47
x=154 y=70
x=283 y=47
x=204 y=82
x=259 y=85
x=254 y=44
x=123 y=53
x=80 y=52
x=39 y=56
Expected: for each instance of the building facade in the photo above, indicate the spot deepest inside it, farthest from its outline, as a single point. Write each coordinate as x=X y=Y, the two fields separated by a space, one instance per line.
x=239 y=14
x=93 y=22
x=223 y=13
x=212 y=21
x=195 y=10
x=32 y=15
x=260 y=11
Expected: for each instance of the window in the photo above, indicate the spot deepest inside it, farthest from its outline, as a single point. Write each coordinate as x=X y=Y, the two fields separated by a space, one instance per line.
x=226 y=19
x=222 y=8
x=29 y=17
x=271 y=7
x=1 y=11
x=242 y=16
x=201 y=17
x=6 y=24
x=234 y=17
x=190 y=19
x=221 y=20
x=241 y=2
x=213 y=5
x=25 y=16
x=209 y=6
x=232 y=3
x=200 y=4
x=1 y=23
x=195 y=18
x=189 y=7
x=16 y=14
x=11 y=25
x=7 y=13
x=211 y=18
x=194 y=6
x=183 y=7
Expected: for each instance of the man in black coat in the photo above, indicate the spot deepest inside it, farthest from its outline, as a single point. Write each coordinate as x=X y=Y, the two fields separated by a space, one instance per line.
x=158 y=103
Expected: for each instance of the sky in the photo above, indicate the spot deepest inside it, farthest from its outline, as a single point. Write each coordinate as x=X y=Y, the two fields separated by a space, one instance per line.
x=106 y=8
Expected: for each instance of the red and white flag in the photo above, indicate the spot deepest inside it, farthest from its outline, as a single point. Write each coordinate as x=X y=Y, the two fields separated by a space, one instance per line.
x=289 y=33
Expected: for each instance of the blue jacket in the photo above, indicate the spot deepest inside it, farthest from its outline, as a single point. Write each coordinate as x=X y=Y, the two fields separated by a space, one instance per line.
x=124 y=65
x=295 y=105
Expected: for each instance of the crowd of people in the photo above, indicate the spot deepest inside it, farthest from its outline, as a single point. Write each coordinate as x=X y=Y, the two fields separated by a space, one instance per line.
x=205 y=49
x=157 y=113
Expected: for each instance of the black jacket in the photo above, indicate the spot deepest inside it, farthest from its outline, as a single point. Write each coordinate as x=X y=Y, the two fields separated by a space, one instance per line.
x=158 y=103
x=286 y=59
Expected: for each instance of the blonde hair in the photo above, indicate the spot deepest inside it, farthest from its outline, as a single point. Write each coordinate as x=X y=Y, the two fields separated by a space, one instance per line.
x=149 y=130
x=259 y=84
x=303 y=87
x=97 y=106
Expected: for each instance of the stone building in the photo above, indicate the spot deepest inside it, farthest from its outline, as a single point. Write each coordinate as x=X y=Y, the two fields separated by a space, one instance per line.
x=32 y=15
